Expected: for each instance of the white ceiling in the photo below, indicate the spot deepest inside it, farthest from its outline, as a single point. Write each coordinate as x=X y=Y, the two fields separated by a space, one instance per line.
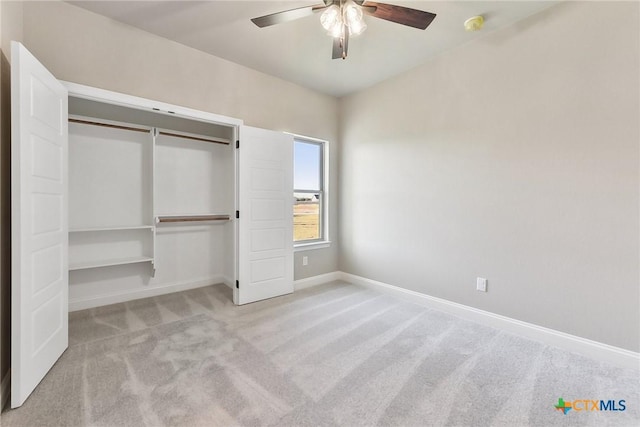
x=300 y=51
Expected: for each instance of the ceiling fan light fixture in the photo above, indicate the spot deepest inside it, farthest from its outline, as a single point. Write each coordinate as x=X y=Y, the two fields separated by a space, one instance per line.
x=331 y=17
x=335 y=18
x=337 y=30
x=353 y=18
x=352 y=13
x=357 y=28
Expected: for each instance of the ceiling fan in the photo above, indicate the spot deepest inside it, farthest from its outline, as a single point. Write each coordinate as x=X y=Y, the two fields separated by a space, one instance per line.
x=344 y=18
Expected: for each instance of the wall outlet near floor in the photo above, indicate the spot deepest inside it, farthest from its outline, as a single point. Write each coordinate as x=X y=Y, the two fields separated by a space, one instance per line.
x=481 y=284
x=305 y=260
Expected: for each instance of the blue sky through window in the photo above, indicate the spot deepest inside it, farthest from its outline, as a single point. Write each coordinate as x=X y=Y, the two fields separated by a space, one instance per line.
x=306 y=166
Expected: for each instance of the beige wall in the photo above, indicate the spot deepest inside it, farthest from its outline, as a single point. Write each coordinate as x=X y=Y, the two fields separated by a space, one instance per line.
x=82 y=47
x=10 y=29
x=514 y=158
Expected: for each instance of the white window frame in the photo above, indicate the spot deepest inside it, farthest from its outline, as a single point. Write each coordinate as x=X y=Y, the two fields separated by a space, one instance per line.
x=323 y=241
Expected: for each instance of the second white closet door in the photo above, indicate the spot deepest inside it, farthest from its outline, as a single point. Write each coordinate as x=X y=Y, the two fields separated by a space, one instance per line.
x=266 y=215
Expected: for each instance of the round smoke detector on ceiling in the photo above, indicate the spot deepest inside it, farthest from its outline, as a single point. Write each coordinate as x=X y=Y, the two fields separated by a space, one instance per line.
x=474 y=23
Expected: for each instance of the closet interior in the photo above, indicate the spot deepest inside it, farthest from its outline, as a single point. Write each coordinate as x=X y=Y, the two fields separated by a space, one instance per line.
x=151 y=201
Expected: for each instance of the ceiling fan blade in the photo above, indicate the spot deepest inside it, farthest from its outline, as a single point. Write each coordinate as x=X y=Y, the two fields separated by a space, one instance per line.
x=341 y=46
x=286 y=16
x=399 y=14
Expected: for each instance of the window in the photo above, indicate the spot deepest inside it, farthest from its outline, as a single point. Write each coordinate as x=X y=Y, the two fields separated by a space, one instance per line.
x=309 y=210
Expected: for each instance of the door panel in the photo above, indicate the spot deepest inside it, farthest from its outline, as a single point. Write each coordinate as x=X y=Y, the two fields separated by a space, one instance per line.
x=266 y=214
x=39 y=246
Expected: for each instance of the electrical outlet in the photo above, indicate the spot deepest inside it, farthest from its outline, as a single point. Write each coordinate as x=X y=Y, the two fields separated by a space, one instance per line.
x=481 y=284
x=305 y=260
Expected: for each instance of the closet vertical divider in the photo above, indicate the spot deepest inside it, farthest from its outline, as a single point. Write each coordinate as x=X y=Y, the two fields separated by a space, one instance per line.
x=154 y=135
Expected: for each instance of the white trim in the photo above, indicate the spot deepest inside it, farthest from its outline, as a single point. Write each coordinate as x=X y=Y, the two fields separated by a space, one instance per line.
x=100 y=300
x=311 y=246
x=4 y=389
x=316 y=280
x=228 y=281
x=308 y=138
x=326 y=194
x=96 y=94
x=589 y=348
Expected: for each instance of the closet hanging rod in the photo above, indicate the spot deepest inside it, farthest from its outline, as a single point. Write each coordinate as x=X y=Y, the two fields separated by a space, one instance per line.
x=107 y=125
x=162 y=132
x=195 y=138
x=192 y=218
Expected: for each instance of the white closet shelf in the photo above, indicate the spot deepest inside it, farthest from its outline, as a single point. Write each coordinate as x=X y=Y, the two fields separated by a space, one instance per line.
x=108 y=263
x=91 y=229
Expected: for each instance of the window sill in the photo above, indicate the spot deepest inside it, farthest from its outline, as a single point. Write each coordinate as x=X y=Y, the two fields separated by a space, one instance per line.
x=311 y=246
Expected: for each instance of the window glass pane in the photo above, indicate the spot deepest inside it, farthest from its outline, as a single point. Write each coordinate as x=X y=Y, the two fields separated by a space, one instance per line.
x=306 y=166
x=306 y=216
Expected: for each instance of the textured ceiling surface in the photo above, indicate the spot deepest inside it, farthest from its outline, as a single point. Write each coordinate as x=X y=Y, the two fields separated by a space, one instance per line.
x=300 y=51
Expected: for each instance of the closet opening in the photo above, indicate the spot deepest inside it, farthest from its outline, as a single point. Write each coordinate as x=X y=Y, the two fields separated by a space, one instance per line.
x=151 y=202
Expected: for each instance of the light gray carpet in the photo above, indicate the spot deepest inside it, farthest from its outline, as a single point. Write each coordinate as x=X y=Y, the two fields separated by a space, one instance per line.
x=335 y=354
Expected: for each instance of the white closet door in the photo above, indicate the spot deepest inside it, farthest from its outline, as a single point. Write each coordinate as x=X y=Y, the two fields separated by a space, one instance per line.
x=266 y=214
x=39 y=283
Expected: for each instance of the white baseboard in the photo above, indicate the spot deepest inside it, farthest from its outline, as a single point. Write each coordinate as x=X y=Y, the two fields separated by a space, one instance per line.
x=316 y=280
x=592 y=349
x=4 y=389
x=589 y=348
x=228 y=281
x=151 y=291
x=100 y=300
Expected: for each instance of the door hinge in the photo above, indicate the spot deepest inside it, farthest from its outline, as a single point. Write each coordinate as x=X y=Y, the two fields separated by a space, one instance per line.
x=237 y=284
x=237 y=143
x=237 y=214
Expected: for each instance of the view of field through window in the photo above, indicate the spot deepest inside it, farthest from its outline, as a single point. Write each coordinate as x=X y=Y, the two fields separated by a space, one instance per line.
x=308 y=191
x=306 y=217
